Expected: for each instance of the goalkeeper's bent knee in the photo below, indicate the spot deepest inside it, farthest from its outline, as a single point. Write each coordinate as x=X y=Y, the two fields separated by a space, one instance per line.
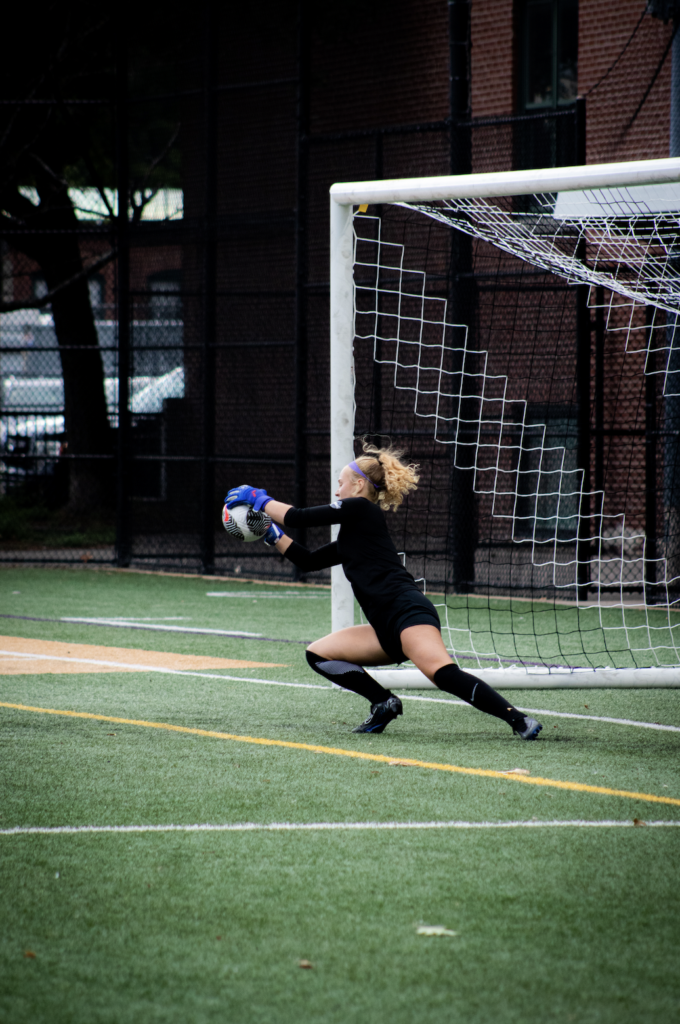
x=349 y=676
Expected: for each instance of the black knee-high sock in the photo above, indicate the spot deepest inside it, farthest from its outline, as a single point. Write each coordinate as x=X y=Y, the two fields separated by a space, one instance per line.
x=472 y=690
x=349 y=676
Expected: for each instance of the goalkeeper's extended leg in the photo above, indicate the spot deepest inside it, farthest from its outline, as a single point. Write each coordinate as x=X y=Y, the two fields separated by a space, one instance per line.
x=384 y=705
x=474 y=691
x=424 y=646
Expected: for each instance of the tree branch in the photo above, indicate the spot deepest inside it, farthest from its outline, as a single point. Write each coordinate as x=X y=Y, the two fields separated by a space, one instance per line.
x=44 y=300
x=162 y=155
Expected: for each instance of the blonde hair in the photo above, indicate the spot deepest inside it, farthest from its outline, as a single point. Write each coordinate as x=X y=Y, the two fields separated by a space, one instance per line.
x=392 y=477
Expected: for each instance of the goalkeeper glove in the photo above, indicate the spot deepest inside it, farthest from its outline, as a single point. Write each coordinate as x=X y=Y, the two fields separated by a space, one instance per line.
x=273 y=534
x=257 y=497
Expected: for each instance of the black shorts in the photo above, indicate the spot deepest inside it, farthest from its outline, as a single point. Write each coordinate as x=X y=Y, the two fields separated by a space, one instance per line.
x=418 y=611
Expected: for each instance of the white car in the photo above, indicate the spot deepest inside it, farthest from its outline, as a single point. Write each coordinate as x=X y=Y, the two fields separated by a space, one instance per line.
x=32 y=418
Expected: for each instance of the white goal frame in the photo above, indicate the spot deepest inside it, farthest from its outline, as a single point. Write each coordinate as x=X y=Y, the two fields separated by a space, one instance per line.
x=343 y=198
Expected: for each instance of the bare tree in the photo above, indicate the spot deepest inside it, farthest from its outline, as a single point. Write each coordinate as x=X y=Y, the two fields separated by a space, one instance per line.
x=56 y=132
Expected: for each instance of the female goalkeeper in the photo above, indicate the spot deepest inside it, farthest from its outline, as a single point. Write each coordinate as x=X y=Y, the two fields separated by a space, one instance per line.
x=403 y=623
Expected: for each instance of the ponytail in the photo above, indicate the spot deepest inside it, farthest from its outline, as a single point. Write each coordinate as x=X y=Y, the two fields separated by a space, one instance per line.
x=393 y=479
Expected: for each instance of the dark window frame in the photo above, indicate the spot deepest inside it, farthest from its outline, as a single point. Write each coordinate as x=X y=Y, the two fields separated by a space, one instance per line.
x=559 y=9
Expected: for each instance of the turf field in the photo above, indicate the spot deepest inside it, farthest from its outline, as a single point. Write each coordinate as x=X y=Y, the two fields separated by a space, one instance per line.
x=563 y=909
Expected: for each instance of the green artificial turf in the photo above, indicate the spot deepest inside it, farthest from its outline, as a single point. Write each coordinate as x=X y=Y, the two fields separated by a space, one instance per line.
x=570 y=924
x=532 y=631
x=212 y=928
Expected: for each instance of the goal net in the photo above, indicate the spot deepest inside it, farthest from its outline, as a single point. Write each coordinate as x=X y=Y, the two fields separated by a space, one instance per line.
x=515 y=334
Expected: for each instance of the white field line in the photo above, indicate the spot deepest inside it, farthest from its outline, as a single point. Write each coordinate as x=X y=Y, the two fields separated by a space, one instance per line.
x=154 y=668
x=558 y=714
x=159 y=626
x=334 y=826
x=265 y=594
x=317 y=686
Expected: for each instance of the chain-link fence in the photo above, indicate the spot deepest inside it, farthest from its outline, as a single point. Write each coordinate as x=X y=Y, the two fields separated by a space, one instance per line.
x=157 y=351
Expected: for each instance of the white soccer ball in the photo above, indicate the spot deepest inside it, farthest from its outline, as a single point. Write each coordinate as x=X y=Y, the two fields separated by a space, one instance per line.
x=244 y=523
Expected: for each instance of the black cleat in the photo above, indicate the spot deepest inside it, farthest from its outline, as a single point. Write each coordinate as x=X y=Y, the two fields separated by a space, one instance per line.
x=381 y=715
x=529 y=730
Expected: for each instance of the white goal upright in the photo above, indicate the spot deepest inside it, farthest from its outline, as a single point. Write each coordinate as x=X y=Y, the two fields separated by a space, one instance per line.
x=570 y=448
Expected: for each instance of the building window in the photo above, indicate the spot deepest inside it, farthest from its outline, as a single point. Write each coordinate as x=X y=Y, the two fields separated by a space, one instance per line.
x=38 y=286
x=547 y=84
x=549 y=54
x=95 y=285
x=165 y=301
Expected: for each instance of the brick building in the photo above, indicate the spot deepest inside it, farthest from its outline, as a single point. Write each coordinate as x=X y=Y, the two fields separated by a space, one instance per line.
x=392 y=91
x=279 y=101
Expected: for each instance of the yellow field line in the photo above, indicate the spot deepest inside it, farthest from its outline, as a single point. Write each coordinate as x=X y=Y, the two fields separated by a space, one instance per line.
x=531 y=780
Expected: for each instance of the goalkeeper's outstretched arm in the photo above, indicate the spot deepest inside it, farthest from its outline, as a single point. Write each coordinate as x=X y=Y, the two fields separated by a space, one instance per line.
x=302 y=557
x=276 y=510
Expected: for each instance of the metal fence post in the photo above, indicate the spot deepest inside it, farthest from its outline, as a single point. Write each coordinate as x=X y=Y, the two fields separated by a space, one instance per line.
x=650 y=461
x=123 y=546
x=583 y=375
x=583 y=328
x=462 y=531
x=208 y=509
x=301 y=248
x=376 y=389
x=599 y=418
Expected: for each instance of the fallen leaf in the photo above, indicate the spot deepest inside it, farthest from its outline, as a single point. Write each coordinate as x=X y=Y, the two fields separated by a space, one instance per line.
x=29 y=954
x=306 y=964
x=638 y=821
x=433 y=929
x=406 y=764
x=218 y=937
x=516 y=771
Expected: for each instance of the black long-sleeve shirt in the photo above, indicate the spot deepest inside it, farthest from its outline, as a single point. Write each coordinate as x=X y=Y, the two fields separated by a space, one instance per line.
x=364 y=548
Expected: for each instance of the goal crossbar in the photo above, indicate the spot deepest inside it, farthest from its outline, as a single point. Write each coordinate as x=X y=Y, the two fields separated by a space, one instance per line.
x=507 y=183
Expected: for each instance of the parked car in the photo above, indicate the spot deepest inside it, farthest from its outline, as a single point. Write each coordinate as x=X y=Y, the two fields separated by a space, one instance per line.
x=32 y=413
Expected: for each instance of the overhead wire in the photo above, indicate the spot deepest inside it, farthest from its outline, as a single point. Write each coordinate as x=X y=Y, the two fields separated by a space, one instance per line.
x=613 y=65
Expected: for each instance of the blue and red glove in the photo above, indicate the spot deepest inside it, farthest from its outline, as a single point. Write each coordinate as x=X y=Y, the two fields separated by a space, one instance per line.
x=256 y=497
x=273 y=534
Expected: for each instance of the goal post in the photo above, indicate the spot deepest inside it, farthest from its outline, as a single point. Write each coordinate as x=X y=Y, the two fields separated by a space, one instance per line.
x=342 y=383
x=614 y=228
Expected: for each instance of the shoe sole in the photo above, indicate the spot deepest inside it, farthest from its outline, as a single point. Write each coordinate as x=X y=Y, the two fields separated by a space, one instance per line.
x=377 y=728
x=533 y=735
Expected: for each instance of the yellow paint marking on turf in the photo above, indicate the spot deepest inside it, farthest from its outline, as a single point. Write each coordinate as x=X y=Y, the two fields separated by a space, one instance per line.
x=16 y=650
x=533 y=780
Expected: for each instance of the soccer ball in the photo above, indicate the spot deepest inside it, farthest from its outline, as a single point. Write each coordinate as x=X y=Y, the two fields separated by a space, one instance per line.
x=244 y=523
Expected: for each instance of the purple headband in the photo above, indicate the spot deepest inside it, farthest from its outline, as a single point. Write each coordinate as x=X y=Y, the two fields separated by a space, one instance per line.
x=356 y=469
